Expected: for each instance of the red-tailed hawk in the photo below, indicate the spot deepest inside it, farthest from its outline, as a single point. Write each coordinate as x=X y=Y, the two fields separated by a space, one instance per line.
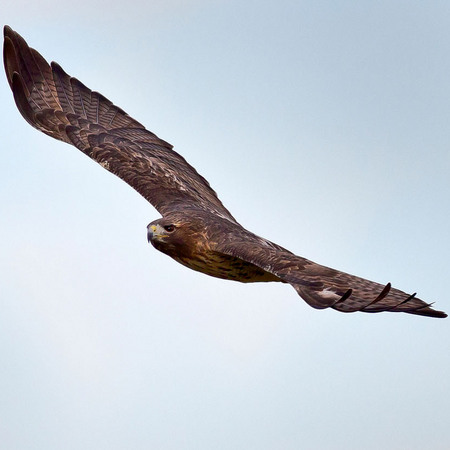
x=195 y=229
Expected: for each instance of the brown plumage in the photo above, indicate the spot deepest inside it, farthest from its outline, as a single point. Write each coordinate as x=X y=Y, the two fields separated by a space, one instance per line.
x=196 y=229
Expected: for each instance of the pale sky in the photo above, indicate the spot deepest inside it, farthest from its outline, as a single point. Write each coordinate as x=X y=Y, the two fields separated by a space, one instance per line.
x=323 y=126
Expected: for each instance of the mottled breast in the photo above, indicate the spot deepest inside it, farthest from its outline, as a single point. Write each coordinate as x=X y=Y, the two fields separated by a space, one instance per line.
x=227 y=267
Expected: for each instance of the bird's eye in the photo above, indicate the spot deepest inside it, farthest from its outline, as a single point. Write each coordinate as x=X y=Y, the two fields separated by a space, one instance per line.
x=169 y=228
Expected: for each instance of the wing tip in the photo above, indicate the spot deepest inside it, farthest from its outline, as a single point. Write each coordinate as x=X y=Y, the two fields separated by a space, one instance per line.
x=429 y=312
x=7 y=31
x=9 y=54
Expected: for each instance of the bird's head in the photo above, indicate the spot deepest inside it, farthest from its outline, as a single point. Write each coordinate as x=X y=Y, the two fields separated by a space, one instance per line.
x=161 y=231
x=172 y=235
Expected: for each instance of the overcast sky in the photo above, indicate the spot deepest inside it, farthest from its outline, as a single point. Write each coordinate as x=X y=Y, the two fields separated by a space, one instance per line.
x=325 y=127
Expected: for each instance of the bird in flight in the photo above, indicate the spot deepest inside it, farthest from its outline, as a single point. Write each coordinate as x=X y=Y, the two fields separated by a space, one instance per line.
x=196 y=229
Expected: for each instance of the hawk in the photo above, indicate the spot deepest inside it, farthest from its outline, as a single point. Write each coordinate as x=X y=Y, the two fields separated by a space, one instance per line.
x=196 y=229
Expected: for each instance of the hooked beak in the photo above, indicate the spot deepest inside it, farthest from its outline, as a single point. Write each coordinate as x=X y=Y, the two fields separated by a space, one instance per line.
x=150 y=232
x=155 y=232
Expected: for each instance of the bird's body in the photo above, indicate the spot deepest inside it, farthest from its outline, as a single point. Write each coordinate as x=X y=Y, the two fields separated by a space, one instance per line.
x=198 y=247
x=196 y=229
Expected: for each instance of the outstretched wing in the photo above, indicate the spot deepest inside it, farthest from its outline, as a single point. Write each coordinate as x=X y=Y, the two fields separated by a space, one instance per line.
x=62 y=107
x=323 y=287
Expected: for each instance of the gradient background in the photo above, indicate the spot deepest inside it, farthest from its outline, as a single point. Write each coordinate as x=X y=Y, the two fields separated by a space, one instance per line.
x=323 y=126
